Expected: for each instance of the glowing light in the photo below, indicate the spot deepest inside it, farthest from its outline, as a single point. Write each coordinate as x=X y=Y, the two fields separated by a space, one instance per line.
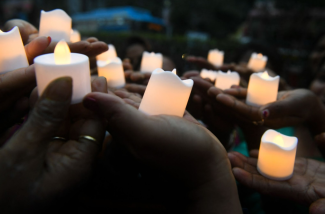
x=174 y=71
x=259 y=55
x=1 y=31
x=279 y=140
x=265 y=75
x=62 y=53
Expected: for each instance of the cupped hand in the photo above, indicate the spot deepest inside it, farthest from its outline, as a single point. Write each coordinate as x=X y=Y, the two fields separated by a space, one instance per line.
x=306 y=186
x=141 y=78
x=39 y=169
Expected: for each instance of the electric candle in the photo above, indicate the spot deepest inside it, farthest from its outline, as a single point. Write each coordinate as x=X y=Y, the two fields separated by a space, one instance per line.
x=151 y=61
x=109 y=54
x=226 y=80
x=113 y=71
x=262 y=89
x=277 y=155
x=75 y=36
x=56 y=24
x=12 y=51
x=63 y=63
x=212 y=75
x=216 y=57
x=257 y=62
x=166 y=93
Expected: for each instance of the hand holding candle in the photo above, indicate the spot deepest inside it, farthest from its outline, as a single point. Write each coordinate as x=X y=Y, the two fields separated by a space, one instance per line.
x=166 y=93
x=64 y=63
x=112 y=70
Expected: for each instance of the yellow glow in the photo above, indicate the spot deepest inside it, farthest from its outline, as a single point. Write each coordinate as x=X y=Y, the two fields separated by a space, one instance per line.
x=1 y=31
x=108 y=61
x=62 y=53
x=228 y=72
x=174 y=71
x=259 y=55
x=278 y=140
x=265 y=75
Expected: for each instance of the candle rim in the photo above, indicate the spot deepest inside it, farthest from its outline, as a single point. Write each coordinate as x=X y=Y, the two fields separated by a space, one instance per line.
x=287 y=148
x=39 y=59
x=228 y=72
x=59 y=11
x=254 y=55
x=187 y=82
x=150 y=53
x=259 y=74
x=216 y=50
x=103 y=63
x=11 y=31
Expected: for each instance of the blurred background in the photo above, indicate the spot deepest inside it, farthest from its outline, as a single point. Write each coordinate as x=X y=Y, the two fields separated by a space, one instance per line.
x=286 y=31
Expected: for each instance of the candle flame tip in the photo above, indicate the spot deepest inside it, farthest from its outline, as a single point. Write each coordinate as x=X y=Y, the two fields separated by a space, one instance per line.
x=278 y=140
x=1 y=31
x=62 y=53
x=174 y=71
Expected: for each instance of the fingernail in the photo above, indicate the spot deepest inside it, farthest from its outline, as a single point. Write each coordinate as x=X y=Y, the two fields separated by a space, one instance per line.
x=49 y=39
x=59 y=89
x=266 y=113
x=91 y=103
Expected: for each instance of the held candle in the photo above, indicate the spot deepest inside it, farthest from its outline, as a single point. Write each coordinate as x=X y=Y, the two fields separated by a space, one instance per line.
x=226 y=80
x=75 y=36
x=212 y=75
x=56 y=24
x=166 y=93
x=12 y=51
x=109 y=54
x=113 y=71
x=257 y=62
x=216 y=57
x=277 y=155
x=151 y=61
x=63 y=63
x=262 y=89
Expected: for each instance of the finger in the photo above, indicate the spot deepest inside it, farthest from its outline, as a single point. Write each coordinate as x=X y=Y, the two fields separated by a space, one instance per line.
x=201 y=62
x=136 y=88
x=127 y=95
x=47 y=116
x=92 y=39
x=99 y=84
x=201 y=83
x=25 y=28
x=213 y=91
x=253 y=153
x=189 y=74
x=237 y=92
x=318 y=207
x=36 y=47
x=240 y=161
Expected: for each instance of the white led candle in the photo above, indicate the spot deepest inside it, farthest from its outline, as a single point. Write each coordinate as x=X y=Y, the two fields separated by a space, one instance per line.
x=112 y=70
x=166 y=93
x=12 y=51
x=277 y=155
x=210 y=74
x=151 y=61
x=109 y=54
x=226 y=80
x=257 y=62
x=75 y=36
x=216 y=57
x=56 y=24
x=63 y=63
x=262 y=89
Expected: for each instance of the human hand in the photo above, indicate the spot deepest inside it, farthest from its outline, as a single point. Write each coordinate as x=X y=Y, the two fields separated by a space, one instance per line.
x=41 y=169
x=135 y=88
x=306 y=186
x=202 y=167
x=27 y=31
x=127 y=66
x=141 y=78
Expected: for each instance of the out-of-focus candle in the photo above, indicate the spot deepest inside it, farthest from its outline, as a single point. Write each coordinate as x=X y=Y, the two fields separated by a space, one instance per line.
x=56 y=24
x=277 y=155
x=226 y=80
x=63 y=63
x=212 y=75
x=216 y=57
x=151 y=61
x=75 y=36
x=257 y=62
x=109 y=54
x=262 y=89
x=112 y=70
x=12 y=51
x=166 y=93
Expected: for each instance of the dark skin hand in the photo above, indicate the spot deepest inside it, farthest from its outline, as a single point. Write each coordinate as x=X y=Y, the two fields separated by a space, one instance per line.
x=40 y=170
x=141 y=78
x=202 y=167
x=15 y=86
x=307 y=185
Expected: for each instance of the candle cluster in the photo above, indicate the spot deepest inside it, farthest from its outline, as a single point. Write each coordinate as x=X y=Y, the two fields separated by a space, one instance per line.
x=223 y=80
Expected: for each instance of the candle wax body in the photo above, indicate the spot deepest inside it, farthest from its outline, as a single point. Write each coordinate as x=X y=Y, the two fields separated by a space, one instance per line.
x=75 y=36
x=151 y=61
x=109 y=54
x=257 y=62
x=212 y=75
x=56 y=24
x=166 y=93
x=12 y=51
x=216 y=57
x=78 y=70
x=277 y=161
x=226 y=79
x=113 y=71
x=262 y=91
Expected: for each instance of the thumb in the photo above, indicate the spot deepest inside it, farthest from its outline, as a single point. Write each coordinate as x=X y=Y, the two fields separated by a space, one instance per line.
x=46 y=118
x=36 y=47
x=318 y=207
